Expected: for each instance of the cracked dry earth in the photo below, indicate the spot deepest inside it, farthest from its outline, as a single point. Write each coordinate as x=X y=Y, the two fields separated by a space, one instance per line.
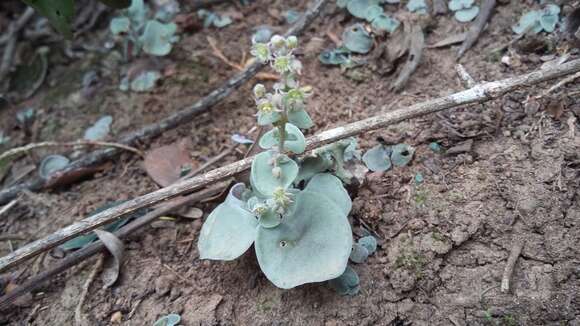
x=513 y=175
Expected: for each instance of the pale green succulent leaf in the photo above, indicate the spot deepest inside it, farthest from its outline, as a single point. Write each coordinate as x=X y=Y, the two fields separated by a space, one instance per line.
x=267 y=118
x=157 y=38
x=378 y=158
x=346 y=284
x=300 y=119
x=467 y=15
x=359 y=8
x=312 y=245
x=529 y=22
x=373 y=12
x=229 y=230
x=369 y=242
x=383 y=22
x=331 y=187
x=120 y=25
x=402 y=154
x=359 y=254
x=294 y=139
x=264 y=181
x=455 y=5
x=357 y=39
x=418 y=6
x=311 y=166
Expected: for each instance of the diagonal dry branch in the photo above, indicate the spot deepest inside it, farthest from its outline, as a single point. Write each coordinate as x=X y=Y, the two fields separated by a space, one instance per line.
x=81 y=167
x=477 y=94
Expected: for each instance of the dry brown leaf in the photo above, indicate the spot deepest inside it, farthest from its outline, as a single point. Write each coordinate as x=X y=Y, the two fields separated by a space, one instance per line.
x=165 y=164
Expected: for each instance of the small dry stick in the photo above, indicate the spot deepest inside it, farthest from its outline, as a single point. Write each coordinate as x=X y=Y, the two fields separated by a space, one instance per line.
x=480 y=93
x=511 y=262
x=559 y=84
x=11 y=39
x=465 y=76
x=79 y=318
x=8 y=206
x=30 y=147
x=477 y=27
x=416 y=47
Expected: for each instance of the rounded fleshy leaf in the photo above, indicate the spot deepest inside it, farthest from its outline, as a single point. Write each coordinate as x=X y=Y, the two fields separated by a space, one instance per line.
x=549 y=17
x=418 y=6
x=60 y=13
x=357 y=39
x=270 y=219
x=312 y=245
x=331 y=187
x=267 y=118
x=377 y=158
x=346 y=284
x=120 y=25
x=529 y=22
x=157 y=38
x=311 y=166
x=358 y=8
x=262 y=178
x=359 y=254
x=373 y=12
x=229 y=230
x=455 y=5
x=300 y=119
x=385 y=23
x=467 y=15
x=169 y=320
x=369 y=242
x=294 y=140
x=52 y=164
x=402 y=154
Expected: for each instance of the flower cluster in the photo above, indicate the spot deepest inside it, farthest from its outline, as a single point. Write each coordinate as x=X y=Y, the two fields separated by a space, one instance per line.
x=287 y=102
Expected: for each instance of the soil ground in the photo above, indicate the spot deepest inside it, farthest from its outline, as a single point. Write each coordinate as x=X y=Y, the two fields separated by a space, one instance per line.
x=444 y=242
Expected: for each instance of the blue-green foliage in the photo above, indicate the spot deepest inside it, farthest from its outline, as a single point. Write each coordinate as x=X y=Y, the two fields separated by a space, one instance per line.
x=465 y=10
x=536 y=21
x=152 y=36
x=300 y=233
x=168 y=320
x=381 y=157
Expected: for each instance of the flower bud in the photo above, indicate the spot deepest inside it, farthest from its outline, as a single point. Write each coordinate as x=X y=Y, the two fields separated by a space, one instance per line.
x=278 y=41
x=277 y=172
x=292 y=42
x=259 y=91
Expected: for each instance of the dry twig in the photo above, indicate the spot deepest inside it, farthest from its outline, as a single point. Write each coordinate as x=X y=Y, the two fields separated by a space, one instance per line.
x=478 y=94
x=33 y=146
x=464 y=76
x=79 y=317
x=477 y=27
x=511 y=262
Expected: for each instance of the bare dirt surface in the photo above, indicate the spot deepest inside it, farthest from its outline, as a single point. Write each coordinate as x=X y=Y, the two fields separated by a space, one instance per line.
x=444 y=242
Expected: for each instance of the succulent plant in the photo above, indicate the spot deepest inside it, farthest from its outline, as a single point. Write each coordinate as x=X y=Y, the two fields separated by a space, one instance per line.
x=136 y=31
x=295 y=212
